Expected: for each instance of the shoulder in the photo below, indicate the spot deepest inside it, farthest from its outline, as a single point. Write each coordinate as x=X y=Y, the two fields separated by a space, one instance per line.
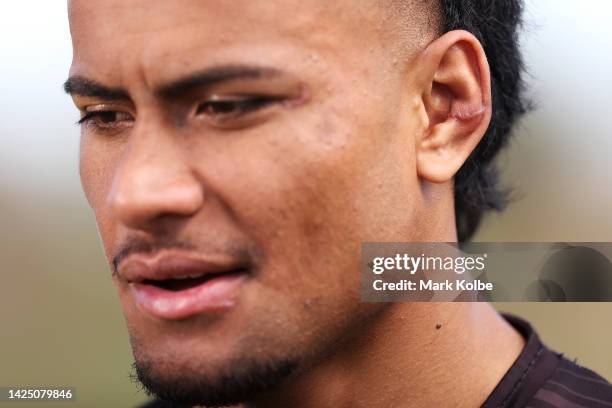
x=543 y=378
x=572 y=385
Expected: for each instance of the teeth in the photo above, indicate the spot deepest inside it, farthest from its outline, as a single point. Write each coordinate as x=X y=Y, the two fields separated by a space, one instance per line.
x=196 y=275
x=179 y=278
x=189 y=276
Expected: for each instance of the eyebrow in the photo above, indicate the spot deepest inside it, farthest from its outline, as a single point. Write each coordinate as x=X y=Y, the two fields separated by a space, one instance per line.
x=213 y=76
x=80 y=85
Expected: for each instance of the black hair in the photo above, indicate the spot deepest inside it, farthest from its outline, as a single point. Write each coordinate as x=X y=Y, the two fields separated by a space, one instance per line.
x=495 y=23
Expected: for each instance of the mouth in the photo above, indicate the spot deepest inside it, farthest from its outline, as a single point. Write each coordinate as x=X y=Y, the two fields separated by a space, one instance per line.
x=173 y=286
x=189 y=282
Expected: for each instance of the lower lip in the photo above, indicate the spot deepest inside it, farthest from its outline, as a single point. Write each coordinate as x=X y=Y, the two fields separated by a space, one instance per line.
x=214 y=295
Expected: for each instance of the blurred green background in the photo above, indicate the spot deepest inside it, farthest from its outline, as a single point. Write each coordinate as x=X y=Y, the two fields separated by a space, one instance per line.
x=61 y=323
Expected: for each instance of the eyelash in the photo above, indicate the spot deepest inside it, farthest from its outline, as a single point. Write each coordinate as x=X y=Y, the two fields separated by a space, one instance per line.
x=222 y=110
x=89 y=116
x=90 y=119
x=226 y=109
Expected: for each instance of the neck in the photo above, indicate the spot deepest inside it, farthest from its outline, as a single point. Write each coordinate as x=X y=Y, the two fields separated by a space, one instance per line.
x=413 y=354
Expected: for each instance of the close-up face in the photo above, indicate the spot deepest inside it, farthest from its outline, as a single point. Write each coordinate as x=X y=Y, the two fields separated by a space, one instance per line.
x=305 y=203
x=236 y=155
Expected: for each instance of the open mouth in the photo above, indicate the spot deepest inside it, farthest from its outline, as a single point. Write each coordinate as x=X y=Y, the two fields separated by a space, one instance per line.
x=181 y=298
x=190 y=282
x=175 y=286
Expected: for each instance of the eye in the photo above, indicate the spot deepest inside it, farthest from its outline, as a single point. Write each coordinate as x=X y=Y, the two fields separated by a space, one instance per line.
x=223 y=108
x=106 y=119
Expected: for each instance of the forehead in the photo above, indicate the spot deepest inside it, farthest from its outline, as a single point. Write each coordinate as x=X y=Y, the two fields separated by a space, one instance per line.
x=152 y=37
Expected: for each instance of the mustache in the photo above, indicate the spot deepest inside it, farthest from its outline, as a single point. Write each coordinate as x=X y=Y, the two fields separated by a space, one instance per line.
x=244 y=255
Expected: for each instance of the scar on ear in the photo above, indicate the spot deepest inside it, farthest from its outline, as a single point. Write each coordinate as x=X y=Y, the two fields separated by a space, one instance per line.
x=462 y=112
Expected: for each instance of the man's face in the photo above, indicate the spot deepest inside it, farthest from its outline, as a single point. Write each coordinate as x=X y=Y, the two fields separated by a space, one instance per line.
x=260 y=142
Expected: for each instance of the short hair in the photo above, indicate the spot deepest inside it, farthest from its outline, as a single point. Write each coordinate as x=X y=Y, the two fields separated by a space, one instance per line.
x=495 y=23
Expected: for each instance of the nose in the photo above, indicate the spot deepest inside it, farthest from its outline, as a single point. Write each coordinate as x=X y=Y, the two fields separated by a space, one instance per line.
x=153 y=179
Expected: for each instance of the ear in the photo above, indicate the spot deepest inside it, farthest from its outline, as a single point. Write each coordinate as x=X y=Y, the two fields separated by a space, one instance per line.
x=454 y=77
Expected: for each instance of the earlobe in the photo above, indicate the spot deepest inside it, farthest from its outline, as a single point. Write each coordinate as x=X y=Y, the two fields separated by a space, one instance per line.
x=457 y=100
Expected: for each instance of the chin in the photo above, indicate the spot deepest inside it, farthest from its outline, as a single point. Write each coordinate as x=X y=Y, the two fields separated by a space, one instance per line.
x=187 y=378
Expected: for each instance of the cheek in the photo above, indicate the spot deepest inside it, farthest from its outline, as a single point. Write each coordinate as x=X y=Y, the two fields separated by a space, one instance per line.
x=96 y=173
x=310 y=194
x=330 y=189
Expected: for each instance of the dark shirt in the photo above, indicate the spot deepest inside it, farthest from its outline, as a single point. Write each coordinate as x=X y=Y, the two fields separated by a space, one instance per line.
x=539 y=378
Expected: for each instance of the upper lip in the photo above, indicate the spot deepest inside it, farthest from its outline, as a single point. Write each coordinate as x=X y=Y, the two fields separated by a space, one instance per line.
x=168 y=264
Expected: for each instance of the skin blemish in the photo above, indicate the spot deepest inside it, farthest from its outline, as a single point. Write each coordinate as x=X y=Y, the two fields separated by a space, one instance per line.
x=463 y=112
x=302 y=98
